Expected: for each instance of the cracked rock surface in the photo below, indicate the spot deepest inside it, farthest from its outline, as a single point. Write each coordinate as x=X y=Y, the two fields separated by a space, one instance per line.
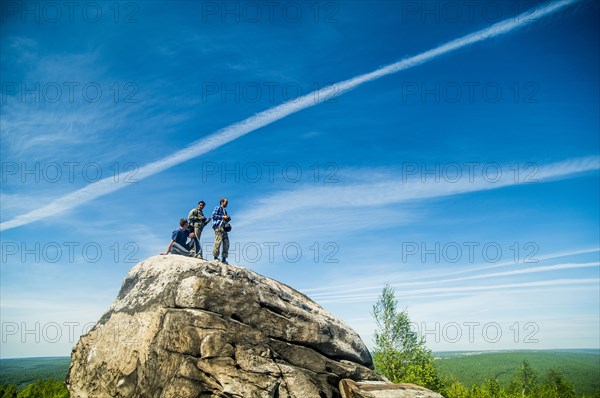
x=188 y=328
x=379 y=389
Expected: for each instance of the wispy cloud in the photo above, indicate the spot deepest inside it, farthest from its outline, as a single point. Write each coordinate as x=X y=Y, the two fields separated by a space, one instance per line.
x=386 y=191
x=34 y=132
x=349 y=294
x=388 y=200
x=367 y=288
x=264 y=118
x=417 y=293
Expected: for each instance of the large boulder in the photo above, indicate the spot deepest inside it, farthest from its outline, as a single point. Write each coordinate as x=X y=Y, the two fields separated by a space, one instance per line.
x=379 y=389
x=182 y=327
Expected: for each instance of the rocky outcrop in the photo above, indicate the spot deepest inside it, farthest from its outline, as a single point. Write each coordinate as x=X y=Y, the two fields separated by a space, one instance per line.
x=183 y=327
x=378 y=389
x=186 y=328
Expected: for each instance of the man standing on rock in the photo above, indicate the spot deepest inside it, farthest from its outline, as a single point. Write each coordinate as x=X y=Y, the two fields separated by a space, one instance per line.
x=179 y=243
x=221 y=226
x=198 y=222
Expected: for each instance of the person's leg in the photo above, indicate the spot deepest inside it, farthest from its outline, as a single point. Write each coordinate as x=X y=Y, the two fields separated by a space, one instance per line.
x=176 y=248
x=225 y=245
x=198 y=232
x=217 y=246
x=194 y=246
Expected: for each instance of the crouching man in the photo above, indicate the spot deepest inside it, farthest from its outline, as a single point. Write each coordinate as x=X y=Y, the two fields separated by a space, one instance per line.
x=179 y=243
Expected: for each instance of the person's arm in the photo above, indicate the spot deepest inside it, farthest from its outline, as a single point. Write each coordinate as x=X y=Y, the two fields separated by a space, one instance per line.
x=217 y=214
x=192 y=216
x=168 y=248
x=188 y=232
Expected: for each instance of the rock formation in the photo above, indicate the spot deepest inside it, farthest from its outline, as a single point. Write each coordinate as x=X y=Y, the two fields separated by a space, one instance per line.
x=378 y=389
x=182 y=327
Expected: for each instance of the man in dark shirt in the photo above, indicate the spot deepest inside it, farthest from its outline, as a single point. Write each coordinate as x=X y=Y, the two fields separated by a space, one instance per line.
x=179 y=244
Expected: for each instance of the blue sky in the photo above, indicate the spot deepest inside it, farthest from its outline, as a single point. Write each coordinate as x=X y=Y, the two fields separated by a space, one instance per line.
x=469 y=181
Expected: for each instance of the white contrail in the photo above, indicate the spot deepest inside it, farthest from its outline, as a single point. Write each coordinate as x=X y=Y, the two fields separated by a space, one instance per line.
x=349 y=293
x=261 y=119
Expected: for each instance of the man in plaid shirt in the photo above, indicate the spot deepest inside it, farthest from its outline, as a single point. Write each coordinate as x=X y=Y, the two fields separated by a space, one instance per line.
x=220 y=224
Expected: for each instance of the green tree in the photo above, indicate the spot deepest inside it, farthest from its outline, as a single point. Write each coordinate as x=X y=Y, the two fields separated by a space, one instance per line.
x=556 y=386
x=454 y=389
x=524 y=381
x=400 y=353
x=45 y=389
x=493 y=388
x=8 y=391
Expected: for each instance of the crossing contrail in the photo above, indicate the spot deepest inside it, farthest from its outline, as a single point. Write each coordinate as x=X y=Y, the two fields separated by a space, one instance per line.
x=266 y=117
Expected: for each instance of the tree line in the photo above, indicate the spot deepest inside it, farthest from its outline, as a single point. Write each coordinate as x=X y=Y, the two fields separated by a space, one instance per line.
x=38 y=389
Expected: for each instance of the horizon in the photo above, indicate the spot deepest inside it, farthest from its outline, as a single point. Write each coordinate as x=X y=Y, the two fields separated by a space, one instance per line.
x=433 y=352
x=455 y=158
